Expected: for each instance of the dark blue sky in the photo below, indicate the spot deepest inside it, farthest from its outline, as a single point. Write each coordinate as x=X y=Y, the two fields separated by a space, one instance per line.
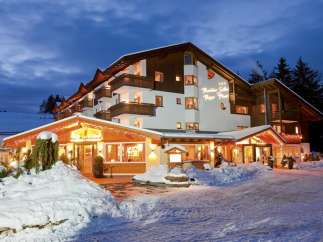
x=51 y=46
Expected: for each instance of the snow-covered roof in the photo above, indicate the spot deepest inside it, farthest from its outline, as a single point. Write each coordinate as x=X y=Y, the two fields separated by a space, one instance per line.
x=85 y=118
x=241 y=134
x=175 y=146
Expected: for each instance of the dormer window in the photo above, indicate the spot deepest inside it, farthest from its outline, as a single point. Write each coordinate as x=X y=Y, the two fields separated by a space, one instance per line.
x=188 y=59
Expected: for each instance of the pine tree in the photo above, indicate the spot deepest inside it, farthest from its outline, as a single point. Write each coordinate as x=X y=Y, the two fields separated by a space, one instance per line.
x=306 y=83
x=258 y=74
x=283 y=72
x=50 y=104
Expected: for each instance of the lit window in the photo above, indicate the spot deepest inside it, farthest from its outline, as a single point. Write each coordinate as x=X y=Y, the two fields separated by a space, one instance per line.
x=274 y=108
x=191 y=103
x=178 y=100
x=137 y=99
x=175 y=158
x=277 y=128
x=296 y=130
x=137 y=123
x=136 y=68
x=159 y=76
x=262 y=108
x=159 y=101
x=190 y=80
x=188 y=59
x=241 y=109
x=192 y=126
x=178 y=78
x=178 y=125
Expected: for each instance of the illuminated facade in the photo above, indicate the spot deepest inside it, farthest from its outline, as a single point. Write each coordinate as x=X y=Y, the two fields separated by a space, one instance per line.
x=192 y=101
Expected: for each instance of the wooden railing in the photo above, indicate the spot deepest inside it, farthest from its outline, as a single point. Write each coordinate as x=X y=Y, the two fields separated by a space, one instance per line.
x=133 y=108
x=86 y=103
x=103 y=114
x=77 y=108
x=102 y=92
x=131 y=80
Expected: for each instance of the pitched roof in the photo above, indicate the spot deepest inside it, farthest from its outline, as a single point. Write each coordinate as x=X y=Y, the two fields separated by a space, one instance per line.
x=130 y=58
x=280 y=83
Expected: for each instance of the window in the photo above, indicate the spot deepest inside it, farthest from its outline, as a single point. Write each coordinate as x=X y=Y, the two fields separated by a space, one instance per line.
x=192 y=126
x=159 y=101
x=262 y=108
x=133 y=152
x=241 y=109
x=159 y=76
x=188 y=59
x=136 y=68
x=178 y=125
x=137 y=99
x=277 y=128
x=191 y=103
x=178 y=78
x=274 y=108
x=296 y=130
x=190 y=80
x=178 y=100
x=137 y=123
x=112 y=153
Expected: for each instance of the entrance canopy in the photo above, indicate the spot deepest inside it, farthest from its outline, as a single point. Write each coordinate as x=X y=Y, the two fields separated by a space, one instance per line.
x=80 y=128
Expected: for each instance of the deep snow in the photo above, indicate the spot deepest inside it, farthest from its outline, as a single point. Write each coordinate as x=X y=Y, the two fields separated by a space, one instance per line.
x=283 y=205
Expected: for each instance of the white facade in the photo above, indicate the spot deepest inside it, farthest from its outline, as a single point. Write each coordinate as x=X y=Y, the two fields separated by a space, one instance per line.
x=210 y=93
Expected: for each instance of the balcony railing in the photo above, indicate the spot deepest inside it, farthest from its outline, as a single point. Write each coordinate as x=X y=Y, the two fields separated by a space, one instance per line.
x=86 y=103
x=77 y=108
x=103 y=114
x=63 y=115
x=131 y=80
x=133 y=108
x=286 y=115
x=102 y=92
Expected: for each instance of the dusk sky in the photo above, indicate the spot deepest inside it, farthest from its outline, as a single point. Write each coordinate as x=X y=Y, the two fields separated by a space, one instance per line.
x=50 y=47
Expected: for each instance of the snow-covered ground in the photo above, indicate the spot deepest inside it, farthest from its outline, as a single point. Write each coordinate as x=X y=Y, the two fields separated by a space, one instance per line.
x=255 y=205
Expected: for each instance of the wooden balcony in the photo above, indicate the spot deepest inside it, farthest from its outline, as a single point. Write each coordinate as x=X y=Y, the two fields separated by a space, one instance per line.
x=103 y=114
x=133 y=108
x=102 y=92
x=63 y=114
x=77 y=108
x=131 y=80
x=86 y=103
x=286 y=115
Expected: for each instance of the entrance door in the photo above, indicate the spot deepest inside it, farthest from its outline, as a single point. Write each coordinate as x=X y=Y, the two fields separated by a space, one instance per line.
x=88 y=157
x=86 y=154
x=248 y=154
x=263 y=153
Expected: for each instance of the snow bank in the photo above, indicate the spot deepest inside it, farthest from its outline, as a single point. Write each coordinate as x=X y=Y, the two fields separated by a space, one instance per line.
x=50 y=197
x=309 y=164
x=225 y=174
x=160 y=175
x=46 y=135
x=155 y=174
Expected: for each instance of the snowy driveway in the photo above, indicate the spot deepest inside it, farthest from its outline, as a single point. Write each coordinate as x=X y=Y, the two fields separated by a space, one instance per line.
x=283 y=206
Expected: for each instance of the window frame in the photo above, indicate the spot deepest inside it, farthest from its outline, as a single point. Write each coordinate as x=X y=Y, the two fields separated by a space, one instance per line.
x=195 y=104
x=179 y=101
x=161 y=101
x=193 y=82
x=161 y=74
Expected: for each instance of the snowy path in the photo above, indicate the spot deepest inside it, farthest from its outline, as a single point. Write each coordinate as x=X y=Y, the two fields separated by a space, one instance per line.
x=284 y=206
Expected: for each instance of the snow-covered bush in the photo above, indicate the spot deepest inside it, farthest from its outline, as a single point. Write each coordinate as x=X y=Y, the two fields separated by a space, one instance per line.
x=51 y=197
x=226 y=174
x=45 y=151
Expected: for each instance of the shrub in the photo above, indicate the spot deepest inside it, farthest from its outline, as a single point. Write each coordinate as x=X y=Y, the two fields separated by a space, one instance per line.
x=97 y=168
x=28 y=162
x=3 y=172
x=44 y=154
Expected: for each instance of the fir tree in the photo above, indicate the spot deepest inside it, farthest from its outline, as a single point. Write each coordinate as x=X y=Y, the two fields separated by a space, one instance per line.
x=50 y=104
x=306 y=83
x=258 y=73
x=283 y=72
